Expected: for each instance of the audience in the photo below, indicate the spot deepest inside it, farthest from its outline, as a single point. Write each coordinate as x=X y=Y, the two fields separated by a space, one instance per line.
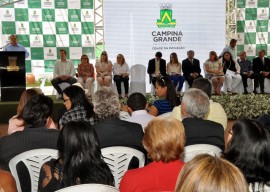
x=214 y=72
x=77 y=105
x=207 y=173
x=80 y=160
x=164 y=140
x=36 y=113
x=112 y=131
x=167 y=97
x=191 y=68
x=248 y=149
x=121 y=73
x=216 y=112
x=104 y=70
x=231 y=70
x=137 y=106
x=156 y=68
x=16 y=122
x=194 y=107
x=174 y=70
x=86 y=74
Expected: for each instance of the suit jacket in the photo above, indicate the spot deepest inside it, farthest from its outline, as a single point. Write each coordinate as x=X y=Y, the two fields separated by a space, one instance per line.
x=152 y=68
x=200 y=131
x=28 y=139
x=258 y=66
x=116 y=132
x=188 y=67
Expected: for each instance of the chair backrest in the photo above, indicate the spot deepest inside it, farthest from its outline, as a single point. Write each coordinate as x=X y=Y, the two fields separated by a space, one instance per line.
x=33 y=160
x=193 y=150
x=89 y=188
x=137 y=73
x=259 y=188
x=118 y=159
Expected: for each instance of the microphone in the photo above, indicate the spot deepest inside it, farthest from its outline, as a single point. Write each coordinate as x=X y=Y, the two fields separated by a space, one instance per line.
x=5 y=46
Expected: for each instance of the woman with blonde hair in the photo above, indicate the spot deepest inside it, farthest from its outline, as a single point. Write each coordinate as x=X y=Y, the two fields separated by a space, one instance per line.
x=207 y=173
x=164 y=140
x=104 y=70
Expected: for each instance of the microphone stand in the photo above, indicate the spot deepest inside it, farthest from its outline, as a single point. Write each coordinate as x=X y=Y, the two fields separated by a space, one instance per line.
x=5 y=46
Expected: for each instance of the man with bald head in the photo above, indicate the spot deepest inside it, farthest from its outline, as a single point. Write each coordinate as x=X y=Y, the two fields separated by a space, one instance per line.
x=247 y=72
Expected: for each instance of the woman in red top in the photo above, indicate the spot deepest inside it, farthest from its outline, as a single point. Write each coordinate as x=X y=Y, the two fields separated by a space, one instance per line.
x=164 y=140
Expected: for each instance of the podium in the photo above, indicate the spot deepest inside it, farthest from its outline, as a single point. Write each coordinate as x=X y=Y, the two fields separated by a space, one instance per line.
x=12 y=75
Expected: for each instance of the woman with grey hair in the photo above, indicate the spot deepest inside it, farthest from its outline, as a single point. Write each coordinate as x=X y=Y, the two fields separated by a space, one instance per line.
x=194 y=107
x=111 y=130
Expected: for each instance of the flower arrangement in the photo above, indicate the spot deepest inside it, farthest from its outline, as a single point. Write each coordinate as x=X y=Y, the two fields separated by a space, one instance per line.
x=240 y=105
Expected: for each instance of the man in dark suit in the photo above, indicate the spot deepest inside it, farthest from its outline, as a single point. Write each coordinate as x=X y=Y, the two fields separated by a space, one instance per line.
x=34 y=136
x=261 y=67
x=191 y=68
x=195 y=105
x=156 y=67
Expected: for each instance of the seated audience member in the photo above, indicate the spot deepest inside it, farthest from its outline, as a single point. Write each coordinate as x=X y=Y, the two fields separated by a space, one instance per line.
x=174 y=70
x=156 y=68
x=36 y=113
x=231 y=69
x=80 y=160
x=214 y=72
x=164 y=140
x=121 y=73
x=137 y=106
x=261 y=68
x=207 y=173
x=216 y=112
x=63 y=72
x=167 y=97
x=86 y=74
x=104 y=70
x=191 y=68
x=247 y=72
x=248 y=149
x=194 y=107
x=77 y=105
x=7 y=182
x=16 y=122
x=112 y=131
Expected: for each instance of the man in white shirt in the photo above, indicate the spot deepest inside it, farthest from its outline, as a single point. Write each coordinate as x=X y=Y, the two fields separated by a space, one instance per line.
x=231 y=49
x=63 y=72
x=137 y=106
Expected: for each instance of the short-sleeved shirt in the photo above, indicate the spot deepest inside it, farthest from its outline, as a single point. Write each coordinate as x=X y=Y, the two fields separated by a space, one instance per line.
x=163 y=106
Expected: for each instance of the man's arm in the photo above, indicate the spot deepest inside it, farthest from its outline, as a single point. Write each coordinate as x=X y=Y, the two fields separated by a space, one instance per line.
x=72 y=69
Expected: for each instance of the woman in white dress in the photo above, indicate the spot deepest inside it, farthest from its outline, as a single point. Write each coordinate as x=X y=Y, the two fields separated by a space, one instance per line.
x=104 y=70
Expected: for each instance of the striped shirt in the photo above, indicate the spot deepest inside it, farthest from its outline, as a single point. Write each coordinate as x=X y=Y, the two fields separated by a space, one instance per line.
x=163 y=106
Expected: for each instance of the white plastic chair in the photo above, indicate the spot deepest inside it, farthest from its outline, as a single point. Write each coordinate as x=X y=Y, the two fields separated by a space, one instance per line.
x=118 y=159
x=89 y=188
x=137 y=79
x=193 y=150
x=259 y=188
x=33 y=160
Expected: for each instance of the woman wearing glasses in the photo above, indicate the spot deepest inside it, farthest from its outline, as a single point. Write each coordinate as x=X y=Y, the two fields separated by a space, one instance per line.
x=104 y=70
x=86 y=73
x=167 y=97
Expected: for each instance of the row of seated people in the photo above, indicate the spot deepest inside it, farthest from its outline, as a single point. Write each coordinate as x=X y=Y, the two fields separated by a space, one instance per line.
x=163 y=139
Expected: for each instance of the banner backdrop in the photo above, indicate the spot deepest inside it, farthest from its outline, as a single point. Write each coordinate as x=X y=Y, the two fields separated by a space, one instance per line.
x=253 y=27
x=44 y=27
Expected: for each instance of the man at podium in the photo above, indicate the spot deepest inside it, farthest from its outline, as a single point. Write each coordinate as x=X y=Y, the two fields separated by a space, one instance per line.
x=15 y=46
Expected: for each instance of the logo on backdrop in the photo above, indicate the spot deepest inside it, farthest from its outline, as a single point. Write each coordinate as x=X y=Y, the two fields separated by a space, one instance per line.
x=166 y=20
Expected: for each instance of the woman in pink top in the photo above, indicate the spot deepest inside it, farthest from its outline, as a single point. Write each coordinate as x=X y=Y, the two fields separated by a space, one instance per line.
x=164 y=140
x=16 y=122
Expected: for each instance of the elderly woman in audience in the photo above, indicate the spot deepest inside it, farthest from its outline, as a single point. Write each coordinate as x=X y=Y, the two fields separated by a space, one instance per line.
x=174 y=70
x=208 y=173
x=214 y=71
x=164 y=140
x=231 y=69
x=16 y=122
x=80 y=160
x=167 y=97
x=104 y=70
x=248 y=149
x=121 y=73
x=77 y=105
x=86 y=73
